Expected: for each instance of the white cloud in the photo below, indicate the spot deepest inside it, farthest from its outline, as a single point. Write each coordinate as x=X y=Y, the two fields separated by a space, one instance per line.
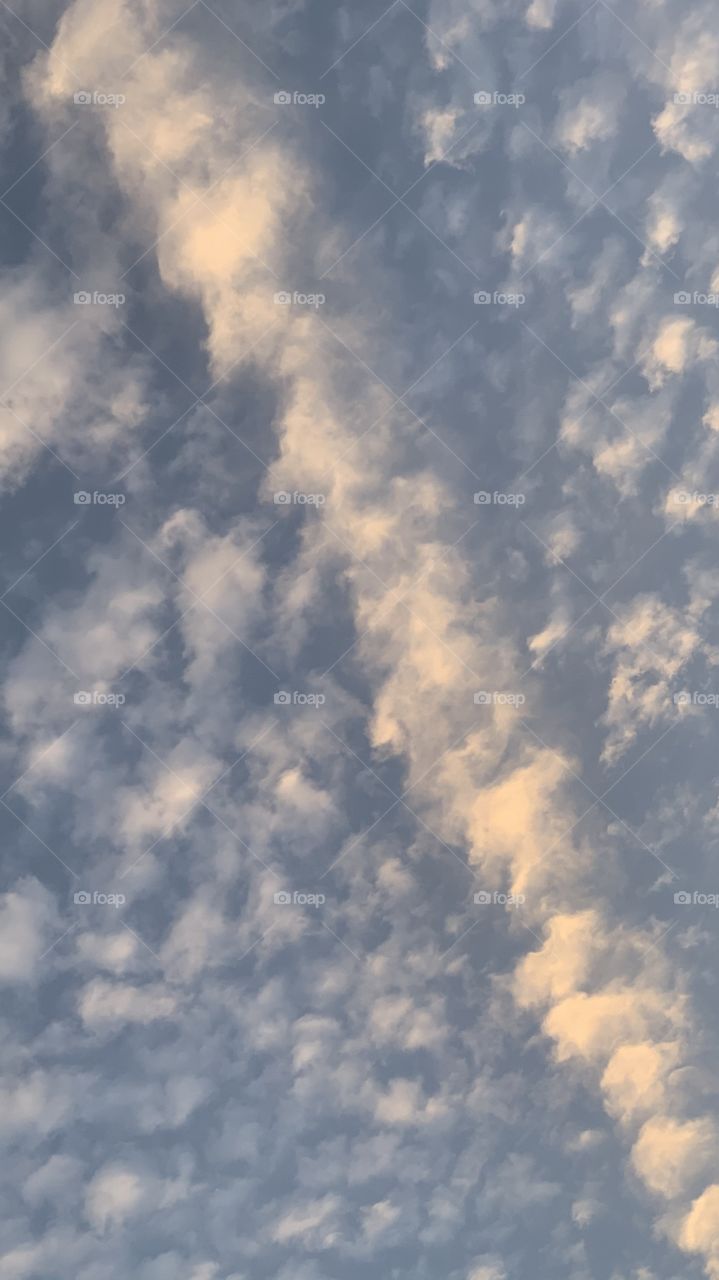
x=312 y=1225
x=589 y=112
x=114 y=1195
x=112 y=1004
x=494 y=793
x=28 y=916
x=672 y=1156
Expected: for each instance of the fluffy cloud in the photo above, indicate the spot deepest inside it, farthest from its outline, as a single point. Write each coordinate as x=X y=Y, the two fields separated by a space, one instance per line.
x=369 y=1028
x=114 y=1195
x=27 y=915
x=113 y=1004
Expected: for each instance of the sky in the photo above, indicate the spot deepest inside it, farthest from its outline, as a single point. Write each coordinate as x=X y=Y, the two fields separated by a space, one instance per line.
x=359 y=429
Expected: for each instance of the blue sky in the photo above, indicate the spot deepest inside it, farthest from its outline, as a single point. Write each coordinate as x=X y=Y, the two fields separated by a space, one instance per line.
x=360 y=476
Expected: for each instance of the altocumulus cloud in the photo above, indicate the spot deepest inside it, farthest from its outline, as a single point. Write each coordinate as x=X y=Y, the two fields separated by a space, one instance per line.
x=400 y=977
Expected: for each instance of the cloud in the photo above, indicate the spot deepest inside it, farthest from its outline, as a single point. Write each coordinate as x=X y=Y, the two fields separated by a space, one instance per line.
x=55 y=1179
x=589 y=112
x=115 y=952
x=28 y=914
x=540 y=14
x=35 y=1106
x=106 y=1004
x=636 y=1078
x=114 y=1195
x=650 y=646
x=439 y=129
x=698 y=1232
x=671 y=1156
x=402 y=1104
x=487 y=1271
x=386 y=1028
x=310 y=1226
